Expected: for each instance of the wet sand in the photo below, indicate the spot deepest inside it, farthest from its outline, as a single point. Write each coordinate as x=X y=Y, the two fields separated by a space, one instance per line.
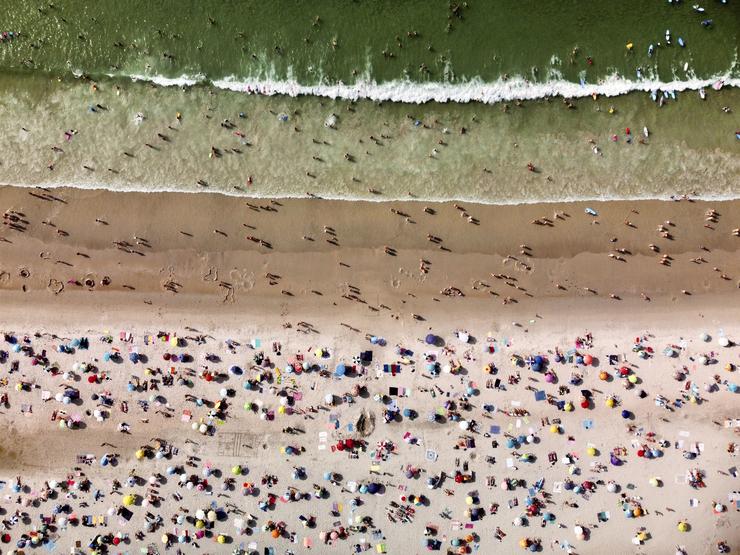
x=395 y=259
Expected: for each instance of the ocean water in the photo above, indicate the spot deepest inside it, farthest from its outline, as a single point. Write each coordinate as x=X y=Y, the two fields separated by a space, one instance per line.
x=412 y=51
x=426 y=95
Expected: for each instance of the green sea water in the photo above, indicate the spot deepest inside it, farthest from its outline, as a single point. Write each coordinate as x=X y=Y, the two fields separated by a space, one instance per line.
x=332 y=41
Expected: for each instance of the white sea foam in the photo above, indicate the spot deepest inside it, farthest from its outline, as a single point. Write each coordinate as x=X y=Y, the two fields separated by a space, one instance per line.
x=473 y=90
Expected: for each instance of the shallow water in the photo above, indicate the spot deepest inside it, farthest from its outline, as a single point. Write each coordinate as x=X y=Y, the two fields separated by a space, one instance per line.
x=390 y=148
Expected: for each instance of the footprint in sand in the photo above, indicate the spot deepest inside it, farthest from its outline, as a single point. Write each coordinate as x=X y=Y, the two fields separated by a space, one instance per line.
x=211 y=274
x=55 y=286
x=242 y=279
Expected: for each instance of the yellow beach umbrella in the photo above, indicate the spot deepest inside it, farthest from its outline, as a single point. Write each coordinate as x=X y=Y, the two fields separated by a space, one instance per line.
x=140 y=454
x=610 y=403
x=221 y=538
x=128 y=500
x=165 y=538
x=554 y=429
x=200 y=524
x=591 y=451
x=683 y=526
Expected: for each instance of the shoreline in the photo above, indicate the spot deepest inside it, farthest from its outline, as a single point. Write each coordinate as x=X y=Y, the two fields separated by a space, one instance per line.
x=380 y=198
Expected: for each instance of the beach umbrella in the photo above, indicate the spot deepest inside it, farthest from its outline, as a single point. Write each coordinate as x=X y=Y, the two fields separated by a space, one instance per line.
x=632 y=378
x=373 y=488
x=211 y=516
x=524 y=542
x=464 y=336
x=236 y=470
x=579 y=359
x=723 y=341
x=554 y=429
x=275 y=533
x=585 y=404
x=588 y=359
x=637 y=511
x=568 y=407
x=128 y=500
x=464 y=424
x=611 y=487
x=549 y=377
x=235 y=370
x=140 y=454
x=591 y=451
x=578 y=531
x=430 y=339
x=469 y=500
x=654 y=482
x=625 y=414
x=603 y=376
x=199 y=524
x=340 y=370
x=683 y=526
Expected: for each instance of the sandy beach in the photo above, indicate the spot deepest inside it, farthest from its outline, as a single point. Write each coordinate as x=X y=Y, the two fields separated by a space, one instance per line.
x=294 y=276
